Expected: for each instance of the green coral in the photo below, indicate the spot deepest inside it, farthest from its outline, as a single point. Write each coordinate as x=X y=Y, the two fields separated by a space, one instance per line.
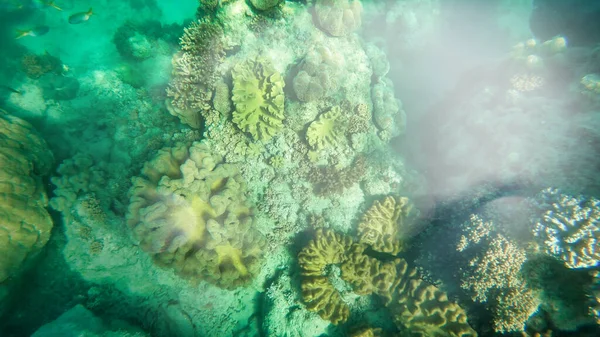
x=258 y=98
x=326 y=130
x=189 y=211
x=327 y=248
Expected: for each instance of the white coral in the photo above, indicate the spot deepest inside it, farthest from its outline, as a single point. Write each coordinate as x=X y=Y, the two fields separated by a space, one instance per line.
x=569 y=227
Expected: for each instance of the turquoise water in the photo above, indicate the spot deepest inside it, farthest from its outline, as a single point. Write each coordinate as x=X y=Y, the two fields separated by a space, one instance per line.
x=299 y=168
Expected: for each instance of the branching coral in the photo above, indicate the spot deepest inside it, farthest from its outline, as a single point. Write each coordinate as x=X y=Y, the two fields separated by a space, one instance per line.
x=382 y=225
x=569 y=227
x=189 y=211
x=194 y=71
x=494 y=275
x=338 y=17
x=258 y=98
x=326 y=130
x=25 y=224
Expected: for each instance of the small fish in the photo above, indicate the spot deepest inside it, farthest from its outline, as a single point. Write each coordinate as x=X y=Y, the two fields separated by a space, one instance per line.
x=80 y=17
x=11 y=89
x=37 y=31
x=53 y=5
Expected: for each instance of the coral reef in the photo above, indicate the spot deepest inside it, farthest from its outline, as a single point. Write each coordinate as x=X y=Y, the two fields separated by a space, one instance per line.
x=414 y=304
x=327 y=248
x=35 y=66
x=388 y=115
x=326 y=130
x=568 y=227
x=367 y=332
x=338 y=17
x=25 y=226
x=494 y=275
x=194 y=71
x=188 y=210
x=319 y=75
x=258 y=98
x=329 y=180
x=265 y=4
x=382 y=225
x=423 y=308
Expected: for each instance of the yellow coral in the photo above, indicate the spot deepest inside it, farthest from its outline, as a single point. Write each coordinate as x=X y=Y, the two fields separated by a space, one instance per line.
x=25 y=224
x=319 y=294
x=258 y=98
x=382 y=224
x=326 y=248
x=189 y=211
x=424 y=309
x=367 y=332
x=368 y=275
x=325 y=130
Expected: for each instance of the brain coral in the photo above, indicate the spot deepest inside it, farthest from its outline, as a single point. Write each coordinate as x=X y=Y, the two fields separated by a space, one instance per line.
x=569 y=227
x=414 y=304
x=382 y=224
x=258 y=98
x=189 y=211
x=319 y=294
x=338 y=17
x=24 y=222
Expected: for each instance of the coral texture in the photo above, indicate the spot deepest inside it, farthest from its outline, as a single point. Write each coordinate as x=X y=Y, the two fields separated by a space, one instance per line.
x=327 y=248
x=338 y=17
x=194 y=71
x=258 y=98
x=383 y=223
x=368 y=275
x=265 y=4
x=25 y=224
x=326 y=130
x=569 y=227
x=493 y=275
x=424 y=309
x=387 y=111
x=35 y=66
x=330 y=180
x=319 y=74
x=189 y=211
x=414 y=304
